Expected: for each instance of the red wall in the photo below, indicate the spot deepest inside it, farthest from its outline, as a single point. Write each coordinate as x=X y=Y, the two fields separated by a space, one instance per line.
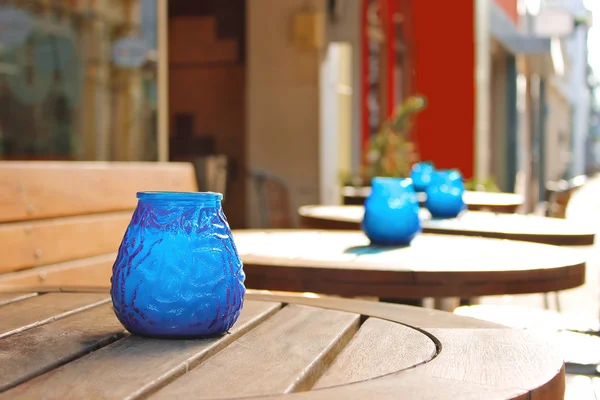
x=443 y=57
x=510 y=7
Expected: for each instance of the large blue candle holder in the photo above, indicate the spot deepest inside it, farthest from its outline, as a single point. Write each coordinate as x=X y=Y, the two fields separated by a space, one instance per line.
x=178 y=273
x=421 y=175
x=391 y=212
x=445 y=194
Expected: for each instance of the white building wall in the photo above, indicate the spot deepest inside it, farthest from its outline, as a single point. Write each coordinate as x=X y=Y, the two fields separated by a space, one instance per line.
x=578 y=92
x=580 y=99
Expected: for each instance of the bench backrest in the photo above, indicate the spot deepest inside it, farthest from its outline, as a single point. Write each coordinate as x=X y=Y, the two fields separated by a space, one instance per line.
x=61 y=223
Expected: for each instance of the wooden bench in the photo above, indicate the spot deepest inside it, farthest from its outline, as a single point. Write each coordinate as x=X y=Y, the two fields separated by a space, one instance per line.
x=61 y=223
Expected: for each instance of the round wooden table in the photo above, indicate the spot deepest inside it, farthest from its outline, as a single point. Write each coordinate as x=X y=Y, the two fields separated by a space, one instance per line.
x=529 y=228
x=343 y=263
x=476 y=201
x=70 y=345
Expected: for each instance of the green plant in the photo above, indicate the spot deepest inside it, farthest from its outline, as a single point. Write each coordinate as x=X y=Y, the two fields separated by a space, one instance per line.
x=391 y=152
x=482 y=186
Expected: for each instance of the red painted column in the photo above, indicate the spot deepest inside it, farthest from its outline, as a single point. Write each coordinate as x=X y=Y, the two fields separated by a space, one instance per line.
x=386 y=88
x=390 y=49
x=444 y=72
x=364 y=90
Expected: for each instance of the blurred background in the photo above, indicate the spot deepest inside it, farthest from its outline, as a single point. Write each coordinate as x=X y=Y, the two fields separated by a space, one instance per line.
x=292 y=92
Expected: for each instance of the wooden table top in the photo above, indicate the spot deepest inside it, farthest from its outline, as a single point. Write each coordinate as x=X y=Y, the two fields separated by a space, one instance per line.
x=492 y=201
x=343 y=263
x=71 y=346
x=529 y=228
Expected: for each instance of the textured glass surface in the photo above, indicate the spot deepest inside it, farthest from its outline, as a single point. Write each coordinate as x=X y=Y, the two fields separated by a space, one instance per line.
x=178 y=272
x=391 y=212
x=445 y=194
x=421 y=175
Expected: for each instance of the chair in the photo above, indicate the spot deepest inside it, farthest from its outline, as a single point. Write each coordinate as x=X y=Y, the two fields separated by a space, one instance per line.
x=273 y=200
x=559 y=193
x=212 y=172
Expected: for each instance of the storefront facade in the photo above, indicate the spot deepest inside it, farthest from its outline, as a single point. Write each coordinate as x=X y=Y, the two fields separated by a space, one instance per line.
x=78 y=80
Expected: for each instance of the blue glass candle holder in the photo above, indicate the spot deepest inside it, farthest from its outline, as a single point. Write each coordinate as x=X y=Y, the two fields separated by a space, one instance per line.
x=178 y=273
x=421 y=175
x=445 y=194
x=391 y=212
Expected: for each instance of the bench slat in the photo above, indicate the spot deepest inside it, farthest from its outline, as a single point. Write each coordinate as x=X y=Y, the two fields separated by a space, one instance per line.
x=142 y=366
x=6 y=298
x=61 y=222
x=379 y=348
x=38 y=190
x=90 y=272
x=465 y=353
x=38 y=310
x=287 y=353
x=45 y=242
x=32 y=352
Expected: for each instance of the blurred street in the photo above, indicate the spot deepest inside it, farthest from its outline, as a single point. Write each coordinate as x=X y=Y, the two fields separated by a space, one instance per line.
x=584 y=209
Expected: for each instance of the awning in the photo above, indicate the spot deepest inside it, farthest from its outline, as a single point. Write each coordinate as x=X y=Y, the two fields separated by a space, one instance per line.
x=504 y=30
x=536 y=49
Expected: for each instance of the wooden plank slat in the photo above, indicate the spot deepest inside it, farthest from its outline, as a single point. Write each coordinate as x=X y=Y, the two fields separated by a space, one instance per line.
x=10 y=290
x=6 y=298
x=38 y=310
x=379 y=348
x=136 y=366
x=414 y=316
x=91 y=272
x=32 y=352
x=285 y=354
x=38 y=190
x=408 y=385
x=45 y=242
x=483 y=365
x=344 y=263
x=477 y=356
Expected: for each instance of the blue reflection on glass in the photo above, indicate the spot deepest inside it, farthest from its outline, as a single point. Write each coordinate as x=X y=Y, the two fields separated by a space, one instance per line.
x=421 y=175
x=445 y=194
x=391 y=212
x=178 y=273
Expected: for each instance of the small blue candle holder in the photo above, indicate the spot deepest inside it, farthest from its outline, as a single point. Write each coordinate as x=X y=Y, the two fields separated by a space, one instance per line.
x=445 y=194
x=391 y=212
x=178 y=273
x=421 y=175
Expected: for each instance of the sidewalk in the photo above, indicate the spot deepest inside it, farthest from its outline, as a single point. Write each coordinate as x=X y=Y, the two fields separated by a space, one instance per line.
x=584 y=209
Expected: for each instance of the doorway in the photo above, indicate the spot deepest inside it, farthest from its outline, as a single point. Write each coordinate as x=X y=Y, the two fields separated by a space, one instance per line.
x=206 y=41
x=336 y=120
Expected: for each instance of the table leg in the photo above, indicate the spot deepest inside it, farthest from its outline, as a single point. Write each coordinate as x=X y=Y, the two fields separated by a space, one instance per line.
x=447 y=303
x=471 y=301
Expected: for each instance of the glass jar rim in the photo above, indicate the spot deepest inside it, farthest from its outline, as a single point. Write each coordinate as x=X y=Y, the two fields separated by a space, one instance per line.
x=180 y=196
x=404 y=182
